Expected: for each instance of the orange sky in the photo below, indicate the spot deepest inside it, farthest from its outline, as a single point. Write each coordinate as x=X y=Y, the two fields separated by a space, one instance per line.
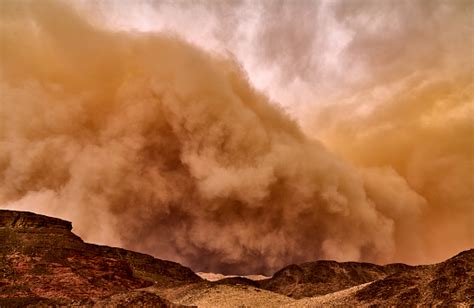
x=285 y=132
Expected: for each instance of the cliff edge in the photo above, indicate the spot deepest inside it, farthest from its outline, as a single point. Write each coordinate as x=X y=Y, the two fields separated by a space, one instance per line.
x=43 y=263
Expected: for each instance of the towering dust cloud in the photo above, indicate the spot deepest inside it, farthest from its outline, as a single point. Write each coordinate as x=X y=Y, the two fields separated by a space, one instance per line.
x=146 y=142
x=414 y=109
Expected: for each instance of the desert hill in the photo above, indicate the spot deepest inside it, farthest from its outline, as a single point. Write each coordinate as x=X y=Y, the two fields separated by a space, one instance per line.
x=42 y=263
x=321 y=277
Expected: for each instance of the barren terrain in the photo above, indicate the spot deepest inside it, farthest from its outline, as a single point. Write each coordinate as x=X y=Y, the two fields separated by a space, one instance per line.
x=43 y=263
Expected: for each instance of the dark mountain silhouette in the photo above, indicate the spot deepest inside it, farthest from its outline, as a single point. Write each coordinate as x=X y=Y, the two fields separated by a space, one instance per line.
x=42 y=263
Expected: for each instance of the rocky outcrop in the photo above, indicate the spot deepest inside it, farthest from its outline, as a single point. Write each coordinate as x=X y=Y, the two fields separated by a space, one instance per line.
x=449 y=283
x=321 y=277
x=27 y=220
x=43 y=262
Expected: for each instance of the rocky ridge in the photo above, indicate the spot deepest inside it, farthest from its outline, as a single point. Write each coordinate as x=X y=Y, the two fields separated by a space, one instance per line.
x=42 y=263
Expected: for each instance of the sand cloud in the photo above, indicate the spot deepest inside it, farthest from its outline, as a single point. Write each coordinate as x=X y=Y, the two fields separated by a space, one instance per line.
x=146 y=141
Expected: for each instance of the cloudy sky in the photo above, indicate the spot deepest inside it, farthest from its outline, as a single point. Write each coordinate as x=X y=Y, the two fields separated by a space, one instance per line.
x=240 y=136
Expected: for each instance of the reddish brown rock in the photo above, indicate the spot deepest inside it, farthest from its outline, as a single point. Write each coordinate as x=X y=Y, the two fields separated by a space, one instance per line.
x=43 y=262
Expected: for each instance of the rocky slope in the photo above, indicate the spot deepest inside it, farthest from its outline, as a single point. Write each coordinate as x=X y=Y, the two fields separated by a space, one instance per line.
x=447 y=283
x=42 y=263
x=321 y=277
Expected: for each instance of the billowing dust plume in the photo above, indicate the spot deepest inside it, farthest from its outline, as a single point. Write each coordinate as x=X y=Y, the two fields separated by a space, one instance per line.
x=413 y=111
x=149 y=143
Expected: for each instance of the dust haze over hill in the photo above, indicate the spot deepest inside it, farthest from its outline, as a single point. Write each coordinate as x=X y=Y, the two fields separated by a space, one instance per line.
x=147 y=142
